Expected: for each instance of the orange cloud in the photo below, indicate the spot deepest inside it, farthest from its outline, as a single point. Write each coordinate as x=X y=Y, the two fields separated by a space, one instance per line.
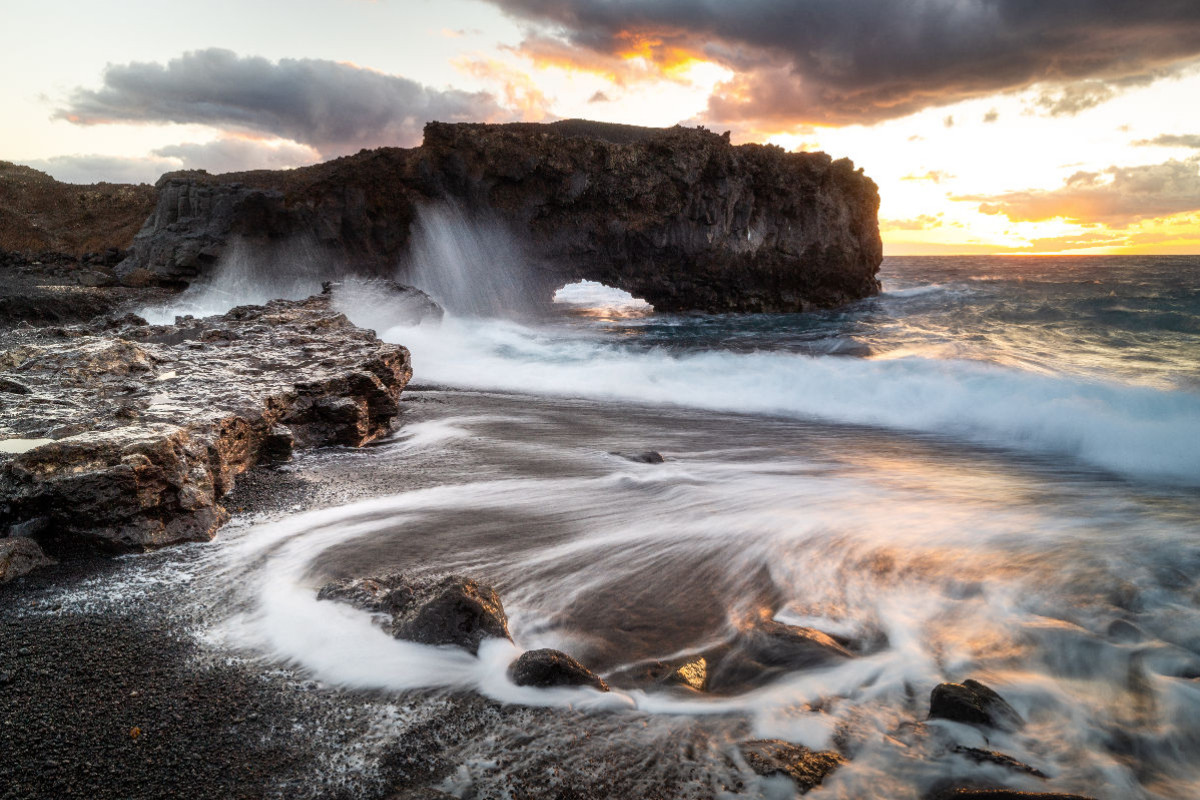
x=635 y=58
x=922 y=222
x=932 y=176
x=521 y=94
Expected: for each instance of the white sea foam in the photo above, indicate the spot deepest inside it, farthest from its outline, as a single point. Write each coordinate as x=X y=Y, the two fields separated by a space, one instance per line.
x=1130 y=430
x=850 y=551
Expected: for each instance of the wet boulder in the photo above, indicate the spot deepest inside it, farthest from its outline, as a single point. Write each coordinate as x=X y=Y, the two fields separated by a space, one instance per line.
x=807 y=768
x=20 y=556
x=975 y=704
x=792 y=646
x=764 y=649
x=446 y=610
x=548 y=668
x=640 y=457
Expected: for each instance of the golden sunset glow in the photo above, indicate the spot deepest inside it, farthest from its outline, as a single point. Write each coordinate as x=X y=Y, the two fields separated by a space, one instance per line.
x=1076 y=151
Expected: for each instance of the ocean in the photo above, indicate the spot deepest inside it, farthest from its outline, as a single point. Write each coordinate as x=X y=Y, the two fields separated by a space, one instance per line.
x=991 y=470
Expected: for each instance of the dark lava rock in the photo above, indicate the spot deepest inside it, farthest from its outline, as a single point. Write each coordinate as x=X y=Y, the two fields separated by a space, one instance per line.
x=20 y=556
x=973 y=703
x=792 y=646
x=450 y=610
x=764 y=649
x=1000 y=759
x=679 y=217
x=644 y=457
x=151 y=424
x=808 y=768
x=546 y=668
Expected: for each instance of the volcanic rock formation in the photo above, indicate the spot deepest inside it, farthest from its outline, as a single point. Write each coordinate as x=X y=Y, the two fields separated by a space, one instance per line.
x=122 y=435
x=679 y=217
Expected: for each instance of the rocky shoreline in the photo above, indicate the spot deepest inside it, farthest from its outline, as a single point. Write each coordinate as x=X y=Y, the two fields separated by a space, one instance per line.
x=119 y=435
x=108 y=693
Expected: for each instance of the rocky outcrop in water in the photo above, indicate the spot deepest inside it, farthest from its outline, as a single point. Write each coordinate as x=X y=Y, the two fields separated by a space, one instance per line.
x=548 y=668
x=973 y=703
x=679 y=217
x=807 y=768
x=51 y=288
x=120 y=435
x=449 y=610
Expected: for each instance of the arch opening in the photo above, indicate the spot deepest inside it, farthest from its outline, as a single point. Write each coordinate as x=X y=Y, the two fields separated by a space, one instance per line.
x=597 y=300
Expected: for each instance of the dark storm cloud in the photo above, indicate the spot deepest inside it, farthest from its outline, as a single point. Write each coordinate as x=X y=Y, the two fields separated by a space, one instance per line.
x=1116 y=196
x=336 y=108
x=848 y=61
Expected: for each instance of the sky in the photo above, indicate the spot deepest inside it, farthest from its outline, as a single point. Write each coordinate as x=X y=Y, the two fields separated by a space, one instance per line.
x=991 y=126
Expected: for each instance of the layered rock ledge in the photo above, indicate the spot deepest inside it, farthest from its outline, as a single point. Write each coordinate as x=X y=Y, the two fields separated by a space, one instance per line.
x=679 y=217
x=120 y=435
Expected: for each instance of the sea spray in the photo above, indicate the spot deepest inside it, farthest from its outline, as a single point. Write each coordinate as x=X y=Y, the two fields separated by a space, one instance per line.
x=1130 y=430
x=253 y=273
x=472 y=265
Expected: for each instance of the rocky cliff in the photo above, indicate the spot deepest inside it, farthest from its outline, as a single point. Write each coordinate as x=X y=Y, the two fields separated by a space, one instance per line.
x=679 y=217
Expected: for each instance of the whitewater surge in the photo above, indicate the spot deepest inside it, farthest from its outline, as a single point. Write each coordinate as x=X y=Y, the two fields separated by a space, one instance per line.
x=960 y=564
x=988 y=471
x=1130 y=430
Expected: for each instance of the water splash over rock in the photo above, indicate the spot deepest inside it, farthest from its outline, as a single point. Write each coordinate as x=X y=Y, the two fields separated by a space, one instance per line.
x=678 y=217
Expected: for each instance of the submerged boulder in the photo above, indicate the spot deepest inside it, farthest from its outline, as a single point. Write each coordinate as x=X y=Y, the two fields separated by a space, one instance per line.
x=547 y=668
x=446 y=610
x=808 y=768
x=764 y=649
x=642 y=457
x=975 y=704
x=980 y=756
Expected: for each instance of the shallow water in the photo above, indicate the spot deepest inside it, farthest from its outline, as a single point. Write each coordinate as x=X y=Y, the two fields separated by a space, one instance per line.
x=989 y=471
